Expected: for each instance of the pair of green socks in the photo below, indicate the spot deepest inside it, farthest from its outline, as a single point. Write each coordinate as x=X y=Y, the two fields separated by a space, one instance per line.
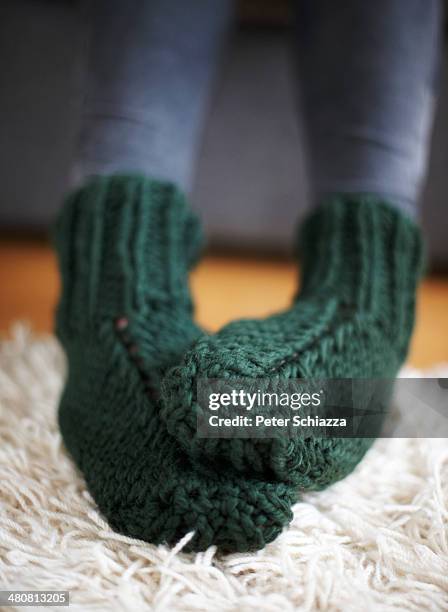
x=128 y=412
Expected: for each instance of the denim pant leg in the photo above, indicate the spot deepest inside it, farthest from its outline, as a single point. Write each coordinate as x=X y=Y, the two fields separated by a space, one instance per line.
x=369 y=72
x=150 y=64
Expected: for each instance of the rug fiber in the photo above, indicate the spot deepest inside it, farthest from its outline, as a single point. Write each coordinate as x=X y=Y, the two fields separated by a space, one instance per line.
x=376 y=541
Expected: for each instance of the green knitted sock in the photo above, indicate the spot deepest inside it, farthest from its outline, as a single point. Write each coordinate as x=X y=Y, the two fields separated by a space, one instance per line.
x=352 y=319
x=125 y=244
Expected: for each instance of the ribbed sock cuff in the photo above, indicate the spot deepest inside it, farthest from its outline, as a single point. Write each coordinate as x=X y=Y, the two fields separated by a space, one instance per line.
x=365 y=252
x=125 y=243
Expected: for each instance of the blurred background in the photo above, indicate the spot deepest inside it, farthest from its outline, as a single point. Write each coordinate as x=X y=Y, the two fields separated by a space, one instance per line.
x=251 y=181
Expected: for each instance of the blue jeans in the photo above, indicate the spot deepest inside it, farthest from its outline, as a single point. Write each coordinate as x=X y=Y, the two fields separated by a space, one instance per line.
x=367 y=73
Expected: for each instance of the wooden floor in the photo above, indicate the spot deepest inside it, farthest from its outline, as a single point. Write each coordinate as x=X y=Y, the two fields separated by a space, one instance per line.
x=224 y=288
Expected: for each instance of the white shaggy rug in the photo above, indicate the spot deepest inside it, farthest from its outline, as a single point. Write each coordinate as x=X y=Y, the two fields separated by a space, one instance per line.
x=376 y=541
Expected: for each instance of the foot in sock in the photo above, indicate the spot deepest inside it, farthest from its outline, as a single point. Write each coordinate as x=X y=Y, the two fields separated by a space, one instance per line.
x=352 y=319
x=125 y=244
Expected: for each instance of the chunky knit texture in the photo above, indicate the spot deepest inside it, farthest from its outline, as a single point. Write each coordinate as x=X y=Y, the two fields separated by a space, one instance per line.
x=125 y=245
x=353 y=319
